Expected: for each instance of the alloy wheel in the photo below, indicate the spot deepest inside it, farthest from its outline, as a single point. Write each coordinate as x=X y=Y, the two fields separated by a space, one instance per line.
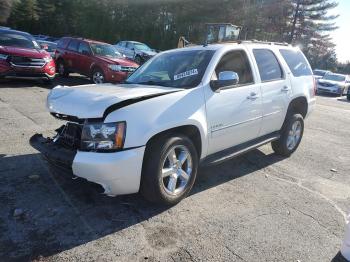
x=294 y=135
x=98 y=77
x=176 y=170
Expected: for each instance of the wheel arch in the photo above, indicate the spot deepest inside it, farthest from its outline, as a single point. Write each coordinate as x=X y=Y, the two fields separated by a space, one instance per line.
x=298 y=105
x=190 y=131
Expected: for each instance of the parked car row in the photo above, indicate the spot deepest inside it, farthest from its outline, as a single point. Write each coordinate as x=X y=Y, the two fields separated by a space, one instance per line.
x=332 y=83
x=101 y=61
x=23 y=55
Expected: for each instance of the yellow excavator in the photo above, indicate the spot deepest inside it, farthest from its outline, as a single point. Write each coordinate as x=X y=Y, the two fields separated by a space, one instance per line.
x=215 y=33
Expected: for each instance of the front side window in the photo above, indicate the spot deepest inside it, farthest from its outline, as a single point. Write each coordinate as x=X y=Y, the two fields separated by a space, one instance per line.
x=73 y=45
x=236 y=61
x=179 y=69
x=129 y=45
x=268 y=65
x=142 y=47
x=105 y=50
x=84 y=48
x=296 y=62
x=17 y=40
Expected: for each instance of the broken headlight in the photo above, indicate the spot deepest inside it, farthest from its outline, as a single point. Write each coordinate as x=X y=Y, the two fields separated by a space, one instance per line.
x=103 y=136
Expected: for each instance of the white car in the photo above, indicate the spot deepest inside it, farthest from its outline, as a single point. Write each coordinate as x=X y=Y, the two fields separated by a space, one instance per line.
x=333 y=84
x=182 y=108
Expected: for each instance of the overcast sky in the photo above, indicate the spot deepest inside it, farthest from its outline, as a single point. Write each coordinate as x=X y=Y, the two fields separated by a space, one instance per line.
x=341 y=37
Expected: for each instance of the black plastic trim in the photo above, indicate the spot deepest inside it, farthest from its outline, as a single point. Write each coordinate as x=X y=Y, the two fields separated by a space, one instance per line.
x=237 y=150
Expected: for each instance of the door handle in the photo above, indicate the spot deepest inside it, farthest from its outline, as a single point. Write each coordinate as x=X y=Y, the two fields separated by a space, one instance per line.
x=252 y=96
x=285 y=89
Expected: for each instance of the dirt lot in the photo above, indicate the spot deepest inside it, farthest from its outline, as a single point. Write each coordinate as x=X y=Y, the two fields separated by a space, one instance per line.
x=258 y=207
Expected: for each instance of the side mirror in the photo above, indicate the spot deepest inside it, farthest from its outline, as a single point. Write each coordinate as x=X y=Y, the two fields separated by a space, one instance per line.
x=226 y=78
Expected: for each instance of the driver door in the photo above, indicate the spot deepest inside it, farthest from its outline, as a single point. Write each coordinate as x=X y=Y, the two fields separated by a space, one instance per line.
x=234 y=113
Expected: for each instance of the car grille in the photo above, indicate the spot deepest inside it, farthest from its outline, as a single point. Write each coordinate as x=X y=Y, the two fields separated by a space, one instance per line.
x=326 y=84
x=128 y=69
x=21 y=61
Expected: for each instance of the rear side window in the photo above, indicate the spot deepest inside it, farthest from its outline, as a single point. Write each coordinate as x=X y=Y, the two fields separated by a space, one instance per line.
x=296 y=62
x=62 y=43
x=268 y=65
x=73 y=45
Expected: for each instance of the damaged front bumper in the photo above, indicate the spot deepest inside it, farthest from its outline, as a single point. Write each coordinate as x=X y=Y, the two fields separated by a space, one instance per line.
x=55 y=154
x=117 y=172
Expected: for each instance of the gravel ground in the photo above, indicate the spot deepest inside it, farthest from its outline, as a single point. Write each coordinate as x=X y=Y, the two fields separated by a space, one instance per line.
x=257 y=207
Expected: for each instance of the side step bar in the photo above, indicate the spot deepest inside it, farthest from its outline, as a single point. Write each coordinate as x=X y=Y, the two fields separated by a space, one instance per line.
x=234 y=151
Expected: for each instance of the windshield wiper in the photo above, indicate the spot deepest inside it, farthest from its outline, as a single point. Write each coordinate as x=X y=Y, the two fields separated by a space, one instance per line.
x=151 y=83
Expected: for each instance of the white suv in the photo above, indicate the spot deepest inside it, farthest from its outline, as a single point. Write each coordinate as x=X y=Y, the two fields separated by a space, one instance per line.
x=202 y=104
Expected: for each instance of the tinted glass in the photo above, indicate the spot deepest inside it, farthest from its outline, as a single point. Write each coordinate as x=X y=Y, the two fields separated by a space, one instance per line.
x=296 y=62
x=129 y=45
x=62 y=43
x=84 y=47
x=73 y=45
x=269 y=68
x=142 y=47
x=17 y=40
x=105 y=50
x=180 y=69
x=334 y=77
x=238 y=62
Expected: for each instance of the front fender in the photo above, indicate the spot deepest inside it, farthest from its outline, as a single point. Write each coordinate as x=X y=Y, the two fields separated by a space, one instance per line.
x=148 y=118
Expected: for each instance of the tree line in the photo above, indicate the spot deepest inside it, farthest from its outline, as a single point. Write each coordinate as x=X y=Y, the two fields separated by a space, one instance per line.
x=160 y=23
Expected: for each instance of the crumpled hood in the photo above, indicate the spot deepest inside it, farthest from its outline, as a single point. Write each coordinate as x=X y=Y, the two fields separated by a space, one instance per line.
x=27 y=52
x=91 y=101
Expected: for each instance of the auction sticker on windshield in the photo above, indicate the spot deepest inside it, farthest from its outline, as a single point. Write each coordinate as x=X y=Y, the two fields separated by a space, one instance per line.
x=188 y=73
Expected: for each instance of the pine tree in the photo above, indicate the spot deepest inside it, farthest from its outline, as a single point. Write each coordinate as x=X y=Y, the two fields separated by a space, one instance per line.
x=5 y=10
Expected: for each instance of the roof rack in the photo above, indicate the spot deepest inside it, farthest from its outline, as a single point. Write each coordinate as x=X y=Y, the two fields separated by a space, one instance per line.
x=253 y=41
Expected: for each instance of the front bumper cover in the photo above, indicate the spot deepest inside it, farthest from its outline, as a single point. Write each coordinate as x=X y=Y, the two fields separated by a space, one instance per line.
x=118 y=173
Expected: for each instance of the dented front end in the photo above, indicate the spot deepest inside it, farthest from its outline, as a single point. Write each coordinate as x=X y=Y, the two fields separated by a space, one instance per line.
x=62 y=148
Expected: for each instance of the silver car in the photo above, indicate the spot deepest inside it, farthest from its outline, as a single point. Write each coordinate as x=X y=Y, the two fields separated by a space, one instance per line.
x=333 y=84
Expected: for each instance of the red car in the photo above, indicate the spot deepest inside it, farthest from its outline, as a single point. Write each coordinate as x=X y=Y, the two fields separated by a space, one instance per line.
x=100 y=61
x=21 y=57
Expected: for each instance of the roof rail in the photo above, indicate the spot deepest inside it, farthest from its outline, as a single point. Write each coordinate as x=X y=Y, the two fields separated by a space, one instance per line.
x=253 y=41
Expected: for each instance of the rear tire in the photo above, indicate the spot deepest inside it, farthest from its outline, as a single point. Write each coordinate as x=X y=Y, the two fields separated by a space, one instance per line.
x=169 y=169
x=291 y=135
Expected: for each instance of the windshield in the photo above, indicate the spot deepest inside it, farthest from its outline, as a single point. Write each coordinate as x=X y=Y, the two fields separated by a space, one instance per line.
x=105 y=50
x=337 y=78
x=142 y=47
x=17 y=40
x=181 y=69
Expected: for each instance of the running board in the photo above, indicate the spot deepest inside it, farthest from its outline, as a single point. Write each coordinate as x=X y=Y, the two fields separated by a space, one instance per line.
x=234 y=151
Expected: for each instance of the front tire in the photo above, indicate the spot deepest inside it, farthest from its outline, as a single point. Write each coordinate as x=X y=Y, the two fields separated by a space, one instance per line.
x=98 y=76
x=169 y=169
x=291 y=135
